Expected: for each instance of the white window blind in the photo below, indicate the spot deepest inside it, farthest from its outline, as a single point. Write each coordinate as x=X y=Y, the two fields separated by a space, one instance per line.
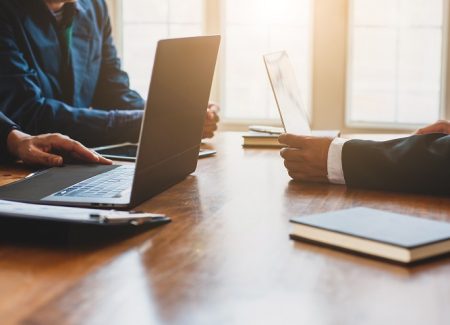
x=395 y=61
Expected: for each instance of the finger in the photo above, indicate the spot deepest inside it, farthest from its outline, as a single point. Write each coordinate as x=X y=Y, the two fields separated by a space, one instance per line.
x=427 y=130
x=214 y=107
x=213 y=120
x=438 y=127
x=211 y=117
x=101 y=160
x=207 y=135
x=35 y=156
x=296 y=176
x=210 y=128
x=293 y=154
x=214 y=117
x=283 y=138
x=294 y=166
x=104 y=161
x=292 y=140
x=71 y=146
x=304 y=177
x=309 y=171
x=210 y=123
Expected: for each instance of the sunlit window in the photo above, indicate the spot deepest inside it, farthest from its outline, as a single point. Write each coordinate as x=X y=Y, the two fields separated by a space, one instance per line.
x=147 y=21
x=395 y=61
x=252 y=28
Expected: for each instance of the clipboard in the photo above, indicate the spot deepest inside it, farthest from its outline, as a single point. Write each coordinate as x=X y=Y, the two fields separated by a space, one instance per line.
x=16 y=210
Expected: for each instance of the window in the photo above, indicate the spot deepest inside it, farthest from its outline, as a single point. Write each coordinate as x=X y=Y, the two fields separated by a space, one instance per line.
x=251 y=29
x=147 y=21
x=395 y=61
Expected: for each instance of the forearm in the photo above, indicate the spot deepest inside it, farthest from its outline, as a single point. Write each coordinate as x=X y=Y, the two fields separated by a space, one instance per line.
x=419 y=164
x=89 y=126
x=96 y=127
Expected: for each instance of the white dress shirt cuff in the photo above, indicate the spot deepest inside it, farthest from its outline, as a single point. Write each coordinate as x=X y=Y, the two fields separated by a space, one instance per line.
x=334 y=164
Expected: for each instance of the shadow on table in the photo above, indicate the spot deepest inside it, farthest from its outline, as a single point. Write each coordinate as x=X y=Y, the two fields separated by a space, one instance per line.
x=64 y=235
x=369 y=261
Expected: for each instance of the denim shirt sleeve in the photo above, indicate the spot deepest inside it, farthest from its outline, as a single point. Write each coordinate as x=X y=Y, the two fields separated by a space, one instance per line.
x=6 y=126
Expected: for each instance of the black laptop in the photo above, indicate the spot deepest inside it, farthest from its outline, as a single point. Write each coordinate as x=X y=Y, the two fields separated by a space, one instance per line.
x=169 y=142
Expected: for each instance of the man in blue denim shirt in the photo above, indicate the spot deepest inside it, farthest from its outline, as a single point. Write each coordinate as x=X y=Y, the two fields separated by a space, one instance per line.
x=59 y=72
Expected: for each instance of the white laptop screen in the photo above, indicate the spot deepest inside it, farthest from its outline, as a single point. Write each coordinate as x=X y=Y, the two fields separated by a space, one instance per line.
x=292 y=110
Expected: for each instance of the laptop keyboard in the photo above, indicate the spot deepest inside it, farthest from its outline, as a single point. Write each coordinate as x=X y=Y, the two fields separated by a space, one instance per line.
x=106 y=185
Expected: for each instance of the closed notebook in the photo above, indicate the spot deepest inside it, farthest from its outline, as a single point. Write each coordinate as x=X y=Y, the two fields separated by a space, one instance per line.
x=382 y=234
x=259 y=139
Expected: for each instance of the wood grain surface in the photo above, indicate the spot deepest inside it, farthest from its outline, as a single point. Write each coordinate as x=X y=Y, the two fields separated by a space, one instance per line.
x=225 y=259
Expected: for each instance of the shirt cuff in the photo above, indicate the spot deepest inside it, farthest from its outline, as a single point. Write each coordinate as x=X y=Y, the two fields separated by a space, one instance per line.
x=334 y=164
x=5 y=155
x=126 y=125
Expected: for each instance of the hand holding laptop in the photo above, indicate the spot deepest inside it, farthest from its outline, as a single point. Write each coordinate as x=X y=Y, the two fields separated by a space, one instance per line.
x=39 y=150
x=306 y=157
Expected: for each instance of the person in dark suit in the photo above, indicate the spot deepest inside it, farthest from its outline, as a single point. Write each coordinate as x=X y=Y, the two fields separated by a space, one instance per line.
x=38 y=150
x=418 y=164
x=59 y=72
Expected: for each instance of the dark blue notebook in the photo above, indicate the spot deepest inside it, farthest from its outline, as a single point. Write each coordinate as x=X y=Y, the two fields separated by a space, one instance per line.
x=379 y=233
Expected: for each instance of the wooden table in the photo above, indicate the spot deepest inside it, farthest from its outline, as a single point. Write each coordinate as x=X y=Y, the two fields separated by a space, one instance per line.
x=226 y=259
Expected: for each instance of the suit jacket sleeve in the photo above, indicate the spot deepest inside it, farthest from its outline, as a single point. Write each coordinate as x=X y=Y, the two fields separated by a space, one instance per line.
x=6 y=126
x=419 y=164
x=22 y=99
x=113 y=86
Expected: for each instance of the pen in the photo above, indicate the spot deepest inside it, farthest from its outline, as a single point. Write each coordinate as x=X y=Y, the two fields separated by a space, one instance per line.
x=266 y=129
x=134 y=218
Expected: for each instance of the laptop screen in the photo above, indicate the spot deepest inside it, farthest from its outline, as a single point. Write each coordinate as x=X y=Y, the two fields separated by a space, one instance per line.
x=292 y=110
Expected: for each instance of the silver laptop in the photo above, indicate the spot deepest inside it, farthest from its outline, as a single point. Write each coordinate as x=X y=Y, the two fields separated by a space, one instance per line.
x=293 y=113
x=169 y=140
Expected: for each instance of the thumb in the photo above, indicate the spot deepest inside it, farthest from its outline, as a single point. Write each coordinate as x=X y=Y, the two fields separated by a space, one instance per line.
x=292 y=140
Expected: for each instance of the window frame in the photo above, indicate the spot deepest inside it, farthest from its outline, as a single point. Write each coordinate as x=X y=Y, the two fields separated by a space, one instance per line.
x=115 y=9
x=445 y=114
x=443 y=109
